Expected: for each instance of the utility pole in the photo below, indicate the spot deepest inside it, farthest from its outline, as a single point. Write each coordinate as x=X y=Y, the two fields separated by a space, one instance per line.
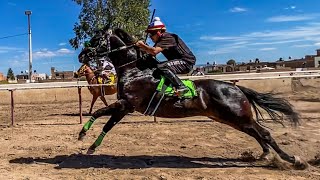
x=28 y=13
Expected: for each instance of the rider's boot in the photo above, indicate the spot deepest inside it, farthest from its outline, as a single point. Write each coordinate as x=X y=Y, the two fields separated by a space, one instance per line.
x=176 y=82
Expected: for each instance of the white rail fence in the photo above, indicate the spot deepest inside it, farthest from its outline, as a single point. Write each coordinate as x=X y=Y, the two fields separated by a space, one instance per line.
x=224 y=77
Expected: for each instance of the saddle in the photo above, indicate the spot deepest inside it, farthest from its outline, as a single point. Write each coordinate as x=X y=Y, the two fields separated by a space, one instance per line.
x=166 y=90
x=109 y=80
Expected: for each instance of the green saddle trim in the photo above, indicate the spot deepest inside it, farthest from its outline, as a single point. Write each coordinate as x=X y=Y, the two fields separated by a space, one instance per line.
x=169 y=91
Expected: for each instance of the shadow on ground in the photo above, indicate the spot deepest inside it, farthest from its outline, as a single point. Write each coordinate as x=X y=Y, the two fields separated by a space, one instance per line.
x=81 y=161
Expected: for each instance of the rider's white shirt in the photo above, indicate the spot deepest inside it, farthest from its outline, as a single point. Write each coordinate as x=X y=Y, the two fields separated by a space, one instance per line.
x=107 y=64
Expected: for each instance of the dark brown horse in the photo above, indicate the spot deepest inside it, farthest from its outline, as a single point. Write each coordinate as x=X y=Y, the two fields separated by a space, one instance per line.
x=220 y=101
x=96 y=91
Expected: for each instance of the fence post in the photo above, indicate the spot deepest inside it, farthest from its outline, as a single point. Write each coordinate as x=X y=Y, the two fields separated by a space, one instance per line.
x=80 y=104
x=12 y=107
x=234 y=82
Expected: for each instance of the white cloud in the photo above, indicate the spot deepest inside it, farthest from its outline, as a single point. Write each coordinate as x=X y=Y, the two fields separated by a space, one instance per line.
x=267 y=49
x=276 y=42
x=238 y=9
x=222 y=38
x=302 y=45
x=302 y=17
x=7 y=48
x=309 y=32
x=290 y=7
x=62 y=44
x=298 y=37
x=64 y=51
x=226 y=49
x=45 y=53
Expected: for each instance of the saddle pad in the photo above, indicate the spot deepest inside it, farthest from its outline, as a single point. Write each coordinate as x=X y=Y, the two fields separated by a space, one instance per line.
x=169 y=91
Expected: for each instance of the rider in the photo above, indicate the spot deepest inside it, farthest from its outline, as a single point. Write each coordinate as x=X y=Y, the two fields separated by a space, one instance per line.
x=104 y=68
x=180 y=59
x=108 y=70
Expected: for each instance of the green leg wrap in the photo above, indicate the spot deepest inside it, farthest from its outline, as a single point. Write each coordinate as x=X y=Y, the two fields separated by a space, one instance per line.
x=88 y=124
x=99 y=139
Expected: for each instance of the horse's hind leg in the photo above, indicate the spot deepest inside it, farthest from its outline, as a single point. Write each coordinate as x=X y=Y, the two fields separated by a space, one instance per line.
x=297 y=162
x=267 y=138
x=103 y=99
x=249 y=129
x=94 y=99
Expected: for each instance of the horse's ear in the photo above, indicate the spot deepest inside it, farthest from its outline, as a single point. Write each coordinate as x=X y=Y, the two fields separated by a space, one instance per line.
x=124 y=36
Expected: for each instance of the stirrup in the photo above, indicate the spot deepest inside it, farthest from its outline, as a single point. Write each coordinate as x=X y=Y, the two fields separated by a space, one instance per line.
x=181 y=91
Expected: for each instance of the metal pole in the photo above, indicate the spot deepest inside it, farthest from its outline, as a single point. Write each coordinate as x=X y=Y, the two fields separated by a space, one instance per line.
x=28 y=13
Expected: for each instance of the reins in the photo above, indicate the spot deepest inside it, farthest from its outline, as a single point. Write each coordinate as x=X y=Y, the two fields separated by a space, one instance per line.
x=119 y=49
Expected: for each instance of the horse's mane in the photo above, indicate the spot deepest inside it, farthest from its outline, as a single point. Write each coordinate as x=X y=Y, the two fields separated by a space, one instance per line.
x=143 y=62
x=124 y=36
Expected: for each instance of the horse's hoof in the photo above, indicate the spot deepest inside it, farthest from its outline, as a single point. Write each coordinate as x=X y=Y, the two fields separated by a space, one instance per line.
x=90 y=151
x=265 y=156
x=299 y=163
x=81 y=136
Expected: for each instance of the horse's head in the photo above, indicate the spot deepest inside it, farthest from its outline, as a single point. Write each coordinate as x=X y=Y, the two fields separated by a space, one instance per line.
x=118 y=47
x=82 y=71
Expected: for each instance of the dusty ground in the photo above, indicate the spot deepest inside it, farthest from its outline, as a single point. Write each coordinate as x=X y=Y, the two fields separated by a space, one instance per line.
x=43 y=145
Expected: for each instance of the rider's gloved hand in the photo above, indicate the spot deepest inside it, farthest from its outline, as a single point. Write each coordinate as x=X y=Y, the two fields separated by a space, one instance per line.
x=140 y=44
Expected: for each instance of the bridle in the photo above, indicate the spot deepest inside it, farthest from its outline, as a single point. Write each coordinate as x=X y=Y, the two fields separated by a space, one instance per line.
x=103 y=49
x=109 y=51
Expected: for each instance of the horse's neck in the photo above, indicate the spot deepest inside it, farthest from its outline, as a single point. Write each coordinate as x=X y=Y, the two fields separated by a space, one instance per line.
x=123 y=69
x=89 y=77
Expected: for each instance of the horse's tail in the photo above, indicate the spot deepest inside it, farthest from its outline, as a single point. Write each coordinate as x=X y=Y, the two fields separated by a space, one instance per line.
x=272 y=105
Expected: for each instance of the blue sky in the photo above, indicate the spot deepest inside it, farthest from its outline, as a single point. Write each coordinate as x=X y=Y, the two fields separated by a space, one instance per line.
x=216 y=30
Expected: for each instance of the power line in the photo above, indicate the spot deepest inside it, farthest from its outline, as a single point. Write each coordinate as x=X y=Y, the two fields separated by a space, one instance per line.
x=6 y=37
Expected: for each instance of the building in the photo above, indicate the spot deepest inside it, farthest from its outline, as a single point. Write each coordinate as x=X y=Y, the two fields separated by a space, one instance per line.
x=309 y=61
x=61 y=74
x=39 y=77
x=22 y=77
x=2 y=77
x=216 y=68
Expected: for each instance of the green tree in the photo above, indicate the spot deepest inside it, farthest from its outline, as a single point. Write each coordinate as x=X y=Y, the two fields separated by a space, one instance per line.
x=231 y=62
x=10 y=75
x=130 y=15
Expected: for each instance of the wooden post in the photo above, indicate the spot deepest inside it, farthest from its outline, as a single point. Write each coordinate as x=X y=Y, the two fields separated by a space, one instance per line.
x=154 y=119
x=80 y=104
x=12 y=108
x=234 y=82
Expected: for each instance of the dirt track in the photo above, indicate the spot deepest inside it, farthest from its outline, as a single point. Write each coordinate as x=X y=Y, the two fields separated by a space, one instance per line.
x=43 y=145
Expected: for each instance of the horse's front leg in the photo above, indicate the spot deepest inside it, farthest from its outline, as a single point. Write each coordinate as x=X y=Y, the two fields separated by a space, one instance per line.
x=116 y=116
x=106 y=111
